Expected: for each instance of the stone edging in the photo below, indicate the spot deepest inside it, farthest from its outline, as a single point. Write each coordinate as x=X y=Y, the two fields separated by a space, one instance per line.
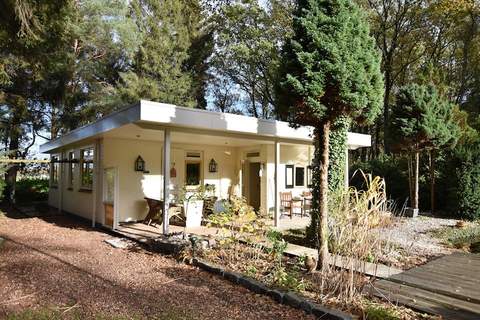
x=287 y=298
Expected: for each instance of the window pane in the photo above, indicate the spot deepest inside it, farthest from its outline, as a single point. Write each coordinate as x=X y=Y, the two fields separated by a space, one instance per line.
x=299 y=176
x=289 y=176
x=71 y=169
x=193 y=174
x=86 y=168
x=55 y=166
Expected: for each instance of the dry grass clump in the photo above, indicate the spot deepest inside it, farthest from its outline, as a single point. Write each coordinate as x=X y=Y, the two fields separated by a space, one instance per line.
x=353 y=238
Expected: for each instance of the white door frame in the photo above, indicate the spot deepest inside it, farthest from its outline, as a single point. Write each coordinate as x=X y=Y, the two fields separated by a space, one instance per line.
x=116 y=195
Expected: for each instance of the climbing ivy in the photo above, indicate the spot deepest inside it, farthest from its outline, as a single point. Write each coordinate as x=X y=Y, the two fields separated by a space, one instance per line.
x=336 y=170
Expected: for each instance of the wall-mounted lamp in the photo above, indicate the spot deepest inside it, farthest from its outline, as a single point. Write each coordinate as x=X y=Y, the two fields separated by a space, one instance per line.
x=139 y=164
x=212 y=166
x=173 y=171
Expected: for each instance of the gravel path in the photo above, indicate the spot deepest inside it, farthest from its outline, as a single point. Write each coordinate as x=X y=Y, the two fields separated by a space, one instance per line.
x=412 y=236
x=62 y=263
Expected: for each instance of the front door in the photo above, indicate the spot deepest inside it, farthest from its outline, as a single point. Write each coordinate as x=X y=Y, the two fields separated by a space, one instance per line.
x=109 y=191
x=254 y=185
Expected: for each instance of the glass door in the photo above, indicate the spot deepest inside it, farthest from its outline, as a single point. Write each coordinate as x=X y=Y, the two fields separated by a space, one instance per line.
x=109 y=191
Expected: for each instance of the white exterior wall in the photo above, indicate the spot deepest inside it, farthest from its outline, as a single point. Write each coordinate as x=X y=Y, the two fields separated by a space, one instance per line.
x=297 y=155
x=75 y=200
x=134 y=186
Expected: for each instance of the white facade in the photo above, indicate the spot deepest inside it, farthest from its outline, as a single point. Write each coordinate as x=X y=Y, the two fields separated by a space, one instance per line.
x=243 y=148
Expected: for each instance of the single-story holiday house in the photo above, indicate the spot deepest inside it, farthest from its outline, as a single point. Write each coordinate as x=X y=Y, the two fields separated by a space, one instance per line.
x=119 y=160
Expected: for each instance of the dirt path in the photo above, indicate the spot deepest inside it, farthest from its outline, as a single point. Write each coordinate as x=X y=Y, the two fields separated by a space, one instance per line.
x=60 y=263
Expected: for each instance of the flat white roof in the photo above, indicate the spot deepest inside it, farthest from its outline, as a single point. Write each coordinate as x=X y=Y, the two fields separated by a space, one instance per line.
x=160 y=115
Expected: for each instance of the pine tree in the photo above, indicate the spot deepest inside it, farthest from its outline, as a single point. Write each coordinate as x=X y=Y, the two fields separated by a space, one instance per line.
x=167 y=29
x=422 y=120
x=332 y=70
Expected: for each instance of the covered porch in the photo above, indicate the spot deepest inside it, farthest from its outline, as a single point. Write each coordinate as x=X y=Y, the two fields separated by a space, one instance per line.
x=255 y=168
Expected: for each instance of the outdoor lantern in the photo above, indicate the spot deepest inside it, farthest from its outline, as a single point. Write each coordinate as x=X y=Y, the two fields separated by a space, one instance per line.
x=212 y=166
x=173 y=171
x=139 y=164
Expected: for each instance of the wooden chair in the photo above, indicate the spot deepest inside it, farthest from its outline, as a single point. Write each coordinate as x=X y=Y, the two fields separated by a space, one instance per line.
x=155 y=208
x=307 y=201
x=289 y=204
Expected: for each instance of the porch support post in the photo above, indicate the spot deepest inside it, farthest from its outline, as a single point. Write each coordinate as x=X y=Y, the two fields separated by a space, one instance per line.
x=277 y=183
x=95 y=182
x=346 y=168
x=60 y=182
x=166 y=178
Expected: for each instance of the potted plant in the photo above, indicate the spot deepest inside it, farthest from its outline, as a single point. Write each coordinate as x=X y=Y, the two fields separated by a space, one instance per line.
x=193 y=206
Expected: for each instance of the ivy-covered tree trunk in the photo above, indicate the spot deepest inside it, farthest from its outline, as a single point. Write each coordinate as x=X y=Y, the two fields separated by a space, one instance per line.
x=336 y=171
x=323 y=195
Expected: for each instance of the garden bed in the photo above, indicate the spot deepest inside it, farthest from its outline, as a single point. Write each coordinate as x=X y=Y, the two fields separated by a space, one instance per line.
x=278 y=275
x=409 y=242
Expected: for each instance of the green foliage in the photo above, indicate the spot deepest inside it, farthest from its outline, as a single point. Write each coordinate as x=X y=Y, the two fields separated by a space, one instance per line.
x=459 y=237
x=338 y=147
x=277 y=245
x=28 y=190
x=330 y=71
x=237 y=222
x=463 y=181
x=423 y=119
x=248 y=39
x=331 y=65
x=288 y=279
x=158 y=71
x=380 y=312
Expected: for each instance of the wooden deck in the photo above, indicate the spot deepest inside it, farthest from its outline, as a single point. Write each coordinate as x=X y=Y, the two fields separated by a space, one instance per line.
x=448 y=286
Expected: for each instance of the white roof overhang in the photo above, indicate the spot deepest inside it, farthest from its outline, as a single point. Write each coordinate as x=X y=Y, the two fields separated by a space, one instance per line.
x=154 y=115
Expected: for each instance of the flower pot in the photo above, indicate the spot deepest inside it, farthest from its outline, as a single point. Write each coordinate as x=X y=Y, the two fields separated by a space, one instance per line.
x=193 y=213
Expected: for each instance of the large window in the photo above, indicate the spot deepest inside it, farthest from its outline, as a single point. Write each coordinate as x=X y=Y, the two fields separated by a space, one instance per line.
x=71 y=169
x=193 y=173
x=54 y=171
x=86 y=168
x=299 y=176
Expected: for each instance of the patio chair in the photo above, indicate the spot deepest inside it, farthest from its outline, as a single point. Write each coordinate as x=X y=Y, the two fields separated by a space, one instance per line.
x=155 y=208
x=288 y=203
x=307 y=202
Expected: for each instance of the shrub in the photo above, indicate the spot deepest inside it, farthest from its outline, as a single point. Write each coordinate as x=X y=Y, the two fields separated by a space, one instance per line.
x=464 y=181
x=28 y=190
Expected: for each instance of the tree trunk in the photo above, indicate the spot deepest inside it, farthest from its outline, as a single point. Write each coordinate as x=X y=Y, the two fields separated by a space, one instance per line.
x=11 y=174
x=416 y=177
x=410 y=177
x=386 y=110
x=432 y=181
x=323 y=195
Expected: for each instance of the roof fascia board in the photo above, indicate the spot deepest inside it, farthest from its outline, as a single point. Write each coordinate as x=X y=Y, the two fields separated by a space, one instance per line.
x=107 y=123
x=216 y=121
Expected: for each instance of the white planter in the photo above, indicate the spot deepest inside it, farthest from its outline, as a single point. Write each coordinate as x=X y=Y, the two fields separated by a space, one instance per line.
x=193 y=213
